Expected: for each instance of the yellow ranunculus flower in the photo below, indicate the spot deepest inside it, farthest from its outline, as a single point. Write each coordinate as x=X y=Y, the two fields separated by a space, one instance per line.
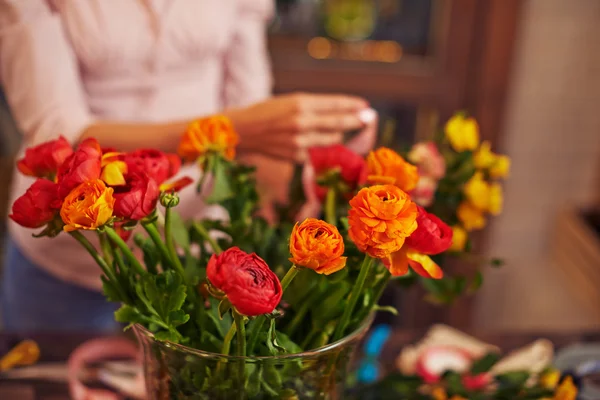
x=88 y=206
x=566 y=391
x=477 y=191
x=484 y=158
x=496 y=200
x=472 y=218
x=500 y=168
x=459 y=238
x=462 y=132
x=549 y=379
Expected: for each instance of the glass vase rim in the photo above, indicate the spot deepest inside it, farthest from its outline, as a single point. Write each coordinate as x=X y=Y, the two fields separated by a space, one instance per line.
x=361 y=329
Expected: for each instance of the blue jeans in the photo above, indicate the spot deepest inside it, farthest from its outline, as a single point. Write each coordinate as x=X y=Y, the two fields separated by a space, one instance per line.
x=32 y=300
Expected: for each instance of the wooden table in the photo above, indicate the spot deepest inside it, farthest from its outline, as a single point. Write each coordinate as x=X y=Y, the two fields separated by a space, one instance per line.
x=57 y=347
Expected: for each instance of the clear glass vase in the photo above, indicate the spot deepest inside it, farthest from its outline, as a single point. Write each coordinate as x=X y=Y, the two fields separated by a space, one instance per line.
x=174 y=371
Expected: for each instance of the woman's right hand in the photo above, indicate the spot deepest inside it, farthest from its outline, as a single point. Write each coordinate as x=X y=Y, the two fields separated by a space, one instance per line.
x=285 y=126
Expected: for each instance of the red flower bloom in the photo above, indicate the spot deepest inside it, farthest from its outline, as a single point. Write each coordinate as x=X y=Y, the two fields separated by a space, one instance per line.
x=155 y=163
x=137 y=198
x=251 y=287
x=43 y=161
x=432 y=236
x=337 y=157
x=81 y=166
x=38 y=206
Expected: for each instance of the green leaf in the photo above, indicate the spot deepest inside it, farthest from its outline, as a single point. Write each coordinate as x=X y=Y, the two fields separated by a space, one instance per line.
x=454 y=383
x=332 y=303
x=176 y=298
x=392 y=310
x=272 y=376
x=496 y=262
x=166 y=336
x=109 y=290
x=515 y=379
x=272 y=345
x=460 y=282
x=485 y=363
x=224 y=306
x=178 y=317
x=254 y=379
x=129 y=315
x=476 y=282
x=222 y=188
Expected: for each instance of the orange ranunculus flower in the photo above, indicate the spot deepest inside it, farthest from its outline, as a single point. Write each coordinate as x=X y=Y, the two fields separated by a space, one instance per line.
x=381 y=217
x=88 y=206
x=211 y=134
x=386 y=167
x=566 y=390
x=317 y=245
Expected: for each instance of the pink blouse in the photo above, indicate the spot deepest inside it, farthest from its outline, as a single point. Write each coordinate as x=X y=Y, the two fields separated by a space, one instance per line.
x=65 y=63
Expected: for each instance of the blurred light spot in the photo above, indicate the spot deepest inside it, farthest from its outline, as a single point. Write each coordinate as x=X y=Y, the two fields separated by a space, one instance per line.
x=319 y=48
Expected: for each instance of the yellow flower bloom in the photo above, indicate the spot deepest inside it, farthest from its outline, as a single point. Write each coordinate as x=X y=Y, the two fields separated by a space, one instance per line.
x=386 y=167
x=472 y=218
x=462 y=132
x=496 y=200
x=88 y=206
x=477 y=191
x=459 y=238
x=550 y=379
x=500 y=168
x=566 y=390
x=113 y=169
x=484 y=158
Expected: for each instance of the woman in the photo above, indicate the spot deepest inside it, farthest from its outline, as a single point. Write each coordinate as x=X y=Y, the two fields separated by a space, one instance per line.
x=134 y=73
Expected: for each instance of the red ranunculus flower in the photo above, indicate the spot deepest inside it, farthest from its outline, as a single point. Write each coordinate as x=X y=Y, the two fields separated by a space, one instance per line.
x=85 y=164
x=137 y=198
x=158 y=165
x=338 y=157
x=38 y=206
x=251 y=287
x=43 y=161
x=432 y=236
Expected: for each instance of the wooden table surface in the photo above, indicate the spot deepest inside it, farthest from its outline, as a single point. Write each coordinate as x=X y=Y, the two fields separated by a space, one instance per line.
x=57 y=347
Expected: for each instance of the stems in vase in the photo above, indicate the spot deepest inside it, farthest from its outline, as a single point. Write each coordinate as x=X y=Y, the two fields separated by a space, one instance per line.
x=330 y=214
x=171 y=243
x=353 y=299
x=108 y=271
x=241 y=342
x=152 y=231
x=287 y=279
x=131 y=258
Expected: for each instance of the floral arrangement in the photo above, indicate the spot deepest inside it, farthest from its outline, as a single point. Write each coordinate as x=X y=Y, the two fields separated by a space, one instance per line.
x=241 y=283
x=476 y=384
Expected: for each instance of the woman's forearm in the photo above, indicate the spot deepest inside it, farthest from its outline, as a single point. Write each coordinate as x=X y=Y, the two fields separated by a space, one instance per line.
x=130 y=136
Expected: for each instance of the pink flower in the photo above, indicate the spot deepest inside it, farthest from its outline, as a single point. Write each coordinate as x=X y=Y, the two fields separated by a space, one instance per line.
x=424 y=193
x=428 y=159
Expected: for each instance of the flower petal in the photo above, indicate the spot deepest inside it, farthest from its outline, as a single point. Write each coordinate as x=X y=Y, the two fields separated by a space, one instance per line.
x=424 y=265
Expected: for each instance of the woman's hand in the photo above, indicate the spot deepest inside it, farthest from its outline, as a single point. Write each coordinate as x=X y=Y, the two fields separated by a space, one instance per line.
x=285 y=126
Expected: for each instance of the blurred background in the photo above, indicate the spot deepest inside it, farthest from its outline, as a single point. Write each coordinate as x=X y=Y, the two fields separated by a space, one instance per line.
x=528 y=70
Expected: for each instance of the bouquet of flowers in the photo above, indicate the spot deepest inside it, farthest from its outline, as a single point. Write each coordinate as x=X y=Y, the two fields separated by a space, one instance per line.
x=262 y=290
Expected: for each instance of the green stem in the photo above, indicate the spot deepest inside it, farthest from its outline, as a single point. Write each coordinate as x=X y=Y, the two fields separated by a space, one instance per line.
x=309 y=338
x=291 y=274
x=206 y=171
x=110 y=274
x=152 y=231
x=380 y=287
x=226 y=348
x=256 y=328
x=299 y=317
x=131 y=258
x=171 y=243
x=354 y=295
x=206 y=236
x=241 y=342
x=330 y=199
x=105 y=246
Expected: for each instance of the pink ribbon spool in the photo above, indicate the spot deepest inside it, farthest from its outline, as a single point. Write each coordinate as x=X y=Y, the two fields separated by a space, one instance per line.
x=94 y=351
